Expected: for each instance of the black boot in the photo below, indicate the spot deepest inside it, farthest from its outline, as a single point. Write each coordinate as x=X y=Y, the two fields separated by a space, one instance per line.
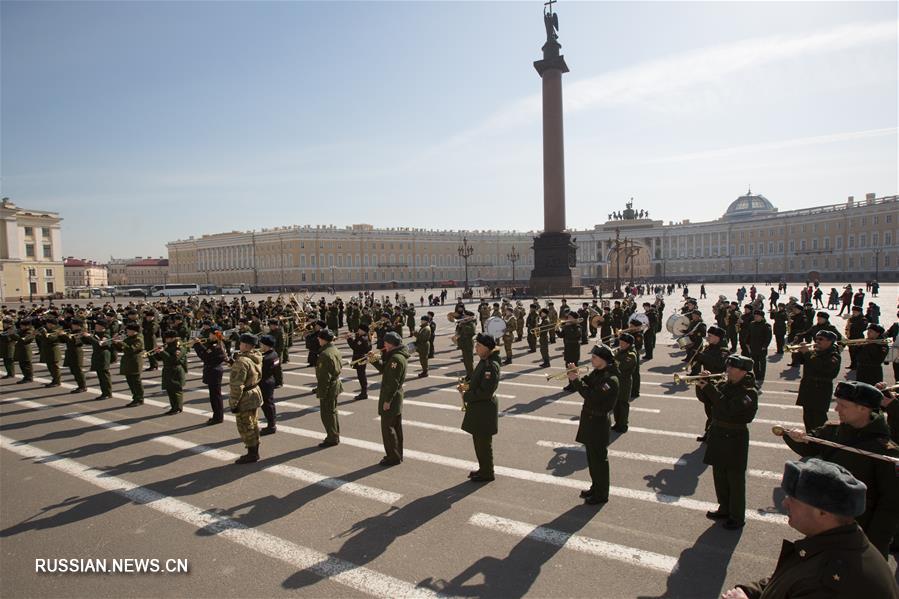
x=251 y=456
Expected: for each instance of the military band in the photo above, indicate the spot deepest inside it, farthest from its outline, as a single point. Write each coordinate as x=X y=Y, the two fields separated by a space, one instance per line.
x=727 y=383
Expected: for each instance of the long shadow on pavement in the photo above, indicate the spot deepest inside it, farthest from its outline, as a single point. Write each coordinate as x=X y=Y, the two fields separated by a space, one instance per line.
x=513 y=575
x=370 y=537
x=682 y=479
x=702 y=568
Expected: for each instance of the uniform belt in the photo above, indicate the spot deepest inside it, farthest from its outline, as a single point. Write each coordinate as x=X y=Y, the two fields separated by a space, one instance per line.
x=735 y=426
x=251 y=387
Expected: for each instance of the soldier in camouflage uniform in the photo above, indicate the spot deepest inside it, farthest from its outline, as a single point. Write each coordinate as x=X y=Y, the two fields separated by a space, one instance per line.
x=509 y=336
x=245 y=396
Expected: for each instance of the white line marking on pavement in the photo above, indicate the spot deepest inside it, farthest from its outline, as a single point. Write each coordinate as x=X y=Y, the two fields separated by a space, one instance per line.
x=621 y=553
x=656 y=459
x=517 y=473
x=300 y=406
x=580 y=403
x=80 y=417
x=303 y=558
x=429 y=426
x=683 y=398
x=293 y=472
x=652 y=431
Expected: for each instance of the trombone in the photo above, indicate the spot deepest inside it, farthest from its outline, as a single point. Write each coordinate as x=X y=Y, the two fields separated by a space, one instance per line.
x=852 y=342
x=545 y=327
x=693 y=379
x=371 y=357
x=558 y=376
x=637 y=329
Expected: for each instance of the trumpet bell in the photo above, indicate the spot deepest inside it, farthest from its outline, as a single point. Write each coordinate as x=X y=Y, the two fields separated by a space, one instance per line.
x=451 y=316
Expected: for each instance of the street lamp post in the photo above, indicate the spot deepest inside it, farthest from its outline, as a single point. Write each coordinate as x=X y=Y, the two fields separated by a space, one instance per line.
x=432 y=275
x=513 y=257
x=876 y=263
x=332 y=279
x=465 y=252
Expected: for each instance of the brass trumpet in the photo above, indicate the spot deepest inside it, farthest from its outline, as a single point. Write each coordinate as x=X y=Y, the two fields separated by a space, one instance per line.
x=558 y=376
x=692 y=380
x=462 y=387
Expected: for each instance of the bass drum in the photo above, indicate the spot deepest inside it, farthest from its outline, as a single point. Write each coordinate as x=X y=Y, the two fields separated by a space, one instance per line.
x=410 y=347
x=495 y=327
x=678 y=324
x=640 y=317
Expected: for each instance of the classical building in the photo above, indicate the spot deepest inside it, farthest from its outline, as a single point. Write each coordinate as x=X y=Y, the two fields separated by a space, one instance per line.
x=147 y=271
x=30 y=254
x=84 y=273
x=138 y=271
x=752 y=240
x=354 y=256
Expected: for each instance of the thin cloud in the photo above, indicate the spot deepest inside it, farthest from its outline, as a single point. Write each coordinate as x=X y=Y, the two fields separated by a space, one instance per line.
x=656 y=78
x=775 y=145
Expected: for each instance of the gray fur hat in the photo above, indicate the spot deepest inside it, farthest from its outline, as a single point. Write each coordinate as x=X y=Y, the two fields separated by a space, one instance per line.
x=824 y=485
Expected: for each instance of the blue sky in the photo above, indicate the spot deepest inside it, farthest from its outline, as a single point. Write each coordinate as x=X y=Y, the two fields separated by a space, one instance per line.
x=144 y=122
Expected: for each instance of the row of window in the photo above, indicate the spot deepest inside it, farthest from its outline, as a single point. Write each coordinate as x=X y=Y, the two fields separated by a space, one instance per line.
x=29 y=251
x=348 y=261
x=29 y=231
x=863 y=261
x=32 y=272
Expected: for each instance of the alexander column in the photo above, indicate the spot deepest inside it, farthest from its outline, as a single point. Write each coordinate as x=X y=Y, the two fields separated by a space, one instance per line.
x=554 y=253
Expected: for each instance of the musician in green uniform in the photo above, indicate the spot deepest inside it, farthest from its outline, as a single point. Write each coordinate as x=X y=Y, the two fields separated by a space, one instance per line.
x=835 y=558
x=544 y=329
x=8 y=348
x=779 y=328
x=174 y=369
x=150 y=331
x=711 y=359
x=519 y=314
x=532 y=320
x=423 y=344
x=276 y=333
x=392 y=365
x=861 y=426
x=465 y=332
x=758 y=338
x=103 y=356
x=481 y=418
x=52 y=350
x=571 y=342
x=74 y=356
x=820 y=366
x=509 y=335
x=626 y=362
x=328 y=386
x=131 y=361
x=22 y=338
x=599 y=389
x=734 y=403
x=245 y=397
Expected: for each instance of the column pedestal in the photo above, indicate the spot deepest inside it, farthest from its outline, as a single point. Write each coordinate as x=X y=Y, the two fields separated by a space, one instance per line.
x=554 y=272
